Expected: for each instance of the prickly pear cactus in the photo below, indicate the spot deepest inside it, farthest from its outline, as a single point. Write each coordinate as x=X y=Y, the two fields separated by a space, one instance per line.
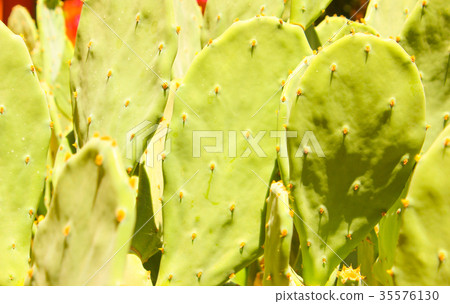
x=279 y=231
x=52 y=56
x=21 y=23
x=121 y=71
x=305 y=12
x=25 y=133
x=135 y=274
x=388 y=230
x=352 y=28
x=329 y=27
x=359 y=118
x=219 y=15
x=367 y=252
x=291 y=88
x=147 y=237
x=425 y=23
x=90 y=222
x=426 y=36
x=388 y=17
x=216 y=200
x=64 y=153
x=189 y=20
x=52 y=35
x=425 y=212
x=334 y=28
x=59 y=124
x=61 y=87
x=148 y=231
x=287 y=10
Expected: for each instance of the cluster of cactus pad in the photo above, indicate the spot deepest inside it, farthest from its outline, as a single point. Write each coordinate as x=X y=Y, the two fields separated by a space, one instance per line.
x=257 y=143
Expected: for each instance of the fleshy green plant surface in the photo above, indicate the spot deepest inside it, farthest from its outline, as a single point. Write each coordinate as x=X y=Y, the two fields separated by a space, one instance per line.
x=51 y=56
x=334 y=28
x=25 y=134
x=147 y=237
x=389 y=228
x=135 y=274
x=220 y=15
x=367 y=252
x=204 y=221
x=305 y=12
x=52 y=38
x=388 y=17
x=189 y=20
x=329 y=27
x=352 y=28
x=90 y=221
x=287 y=10
x=121 y=71
x=251 y=158
x=363 y=100
x=422 y=254
x=426 y=36
x=279 y=231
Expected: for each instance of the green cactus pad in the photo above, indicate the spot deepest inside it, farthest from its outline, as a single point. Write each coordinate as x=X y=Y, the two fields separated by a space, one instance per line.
x=363 y=106
x=84 y=239
x=52 y=37
x=219 y=15
x=279 y=231
x=329 y=27
x=148 y=230
x=388 y=17
x=147 y=237
x=64 y=153
x=352 y=28
x=189 y=20
x=287 y=10
x=135 y=274
x=121 y=71
x=291 y=89
x=59 y=124
x=21 y=23
x=422 y=255
x=25 y=133
x=305 y=12
x=367 y=252
x=426 y=36
x=389 y=228
x=52 y=56
x=334 y=28
x=61 y=86
x=213 y=204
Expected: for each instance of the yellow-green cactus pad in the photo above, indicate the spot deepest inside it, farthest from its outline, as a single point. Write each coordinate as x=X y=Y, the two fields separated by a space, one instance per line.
x=214 y=202
x=86 y=235
x=422 y=255
x=25 y=135
x=121 y=71
x=360 y=121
